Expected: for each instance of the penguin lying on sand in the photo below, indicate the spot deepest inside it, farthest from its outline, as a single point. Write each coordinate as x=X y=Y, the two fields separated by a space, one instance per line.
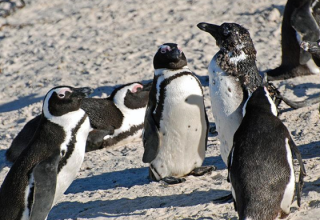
x=299 y=24
x=176 y=124
x=50 y=162
x=116 y=120
x=260 y=163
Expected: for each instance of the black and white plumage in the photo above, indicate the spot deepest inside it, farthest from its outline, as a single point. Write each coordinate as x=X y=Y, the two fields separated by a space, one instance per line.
x=50 y=162
x=260 y=163
x=299 y=24
x=233 y=75
x=116 y=120
x=122 y=113
x=176 y=126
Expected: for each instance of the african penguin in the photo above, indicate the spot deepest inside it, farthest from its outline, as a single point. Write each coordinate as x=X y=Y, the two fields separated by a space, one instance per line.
x=233 y=76
x=260 y=166
x=50 y=162
x=123 y=110
x=299 y=24
x=176 y=124
x=116 y=120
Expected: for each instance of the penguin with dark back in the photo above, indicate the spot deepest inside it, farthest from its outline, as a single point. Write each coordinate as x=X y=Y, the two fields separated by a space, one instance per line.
x=116 y=120
x=176 y=124
x=50 y=162
x=260 y=165
x=299 y=24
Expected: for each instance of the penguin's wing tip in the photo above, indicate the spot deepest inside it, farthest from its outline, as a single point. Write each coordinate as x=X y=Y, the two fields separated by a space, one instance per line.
x=150 y=138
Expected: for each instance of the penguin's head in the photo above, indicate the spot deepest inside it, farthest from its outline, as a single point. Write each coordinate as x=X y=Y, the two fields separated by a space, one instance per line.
x=169 y=56
x=131 y=96
x=311 y=47
x=64 y=99
x=260 y=101
x=230 y=36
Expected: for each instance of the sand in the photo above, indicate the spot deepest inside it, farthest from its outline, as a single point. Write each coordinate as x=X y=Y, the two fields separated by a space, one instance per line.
x=106 y=43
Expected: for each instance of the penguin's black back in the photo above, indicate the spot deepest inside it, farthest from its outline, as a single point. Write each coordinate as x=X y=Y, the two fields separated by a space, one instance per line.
x=259 y=169
x=101 y=111
x=46 y=141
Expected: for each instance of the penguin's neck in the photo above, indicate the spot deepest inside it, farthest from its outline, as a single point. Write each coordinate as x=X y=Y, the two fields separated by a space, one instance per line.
x=67 y=121
x=240 y=63
x=166 y=73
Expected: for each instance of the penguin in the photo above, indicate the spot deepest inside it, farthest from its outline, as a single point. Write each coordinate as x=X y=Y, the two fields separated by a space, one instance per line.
x=116 y=120
x=123 y=110
x=233 y=76
x=299 y=24
x=176 y=124
x=260 y=166
x=50 y=162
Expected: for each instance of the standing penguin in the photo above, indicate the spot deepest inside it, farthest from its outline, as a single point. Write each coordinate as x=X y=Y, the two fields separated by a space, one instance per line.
x=260 y=163
x=233 y=76
x=176 y=125
x=299 y=24
x=116 y=120
x=50 y=162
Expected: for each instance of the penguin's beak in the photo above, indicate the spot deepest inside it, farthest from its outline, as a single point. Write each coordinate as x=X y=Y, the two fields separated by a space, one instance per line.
x=175 y=54
x=212 y=29
x=82 y=92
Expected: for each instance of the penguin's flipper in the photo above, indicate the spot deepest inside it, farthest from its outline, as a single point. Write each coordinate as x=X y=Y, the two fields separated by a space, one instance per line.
x=302 y=173
x=151 y=139
x=45 y=179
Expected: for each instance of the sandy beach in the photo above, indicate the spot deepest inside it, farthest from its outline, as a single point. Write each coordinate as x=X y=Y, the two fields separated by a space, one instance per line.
x=104 y=44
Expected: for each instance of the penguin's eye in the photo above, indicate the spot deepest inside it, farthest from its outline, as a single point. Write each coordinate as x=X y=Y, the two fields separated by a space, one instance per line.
x=226 y=32
x=318 y=43
x=61 y=96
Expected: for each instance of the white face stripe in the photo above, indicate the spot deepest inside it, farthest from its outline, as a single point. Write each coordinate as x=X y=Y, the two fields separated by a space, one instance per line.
x=45 y=107
x=239 y=58
x=273 y=106
x=164 y=48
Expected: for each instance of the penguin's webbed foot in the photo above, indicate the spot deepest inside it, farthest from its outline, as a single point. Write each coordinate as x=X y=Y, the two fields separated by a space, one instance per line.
x=173 y=180
x=224 y=199
x=200 y=171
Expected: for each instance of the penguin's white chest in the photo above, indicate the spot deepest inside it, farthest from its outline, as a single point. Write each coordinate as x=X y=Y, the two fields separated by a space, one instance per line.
x=69 y=172
x=182 y=128
x=226 y=102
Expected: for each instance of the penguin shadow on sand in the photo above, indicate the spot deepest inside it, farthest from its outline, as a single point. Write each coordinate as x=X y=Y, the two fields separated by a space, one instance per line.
x=20 y=103
x=300 y=90
x=120 y=207
x=204 y=80
x=310 y=150
x=123 y=178
x=3 y=161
